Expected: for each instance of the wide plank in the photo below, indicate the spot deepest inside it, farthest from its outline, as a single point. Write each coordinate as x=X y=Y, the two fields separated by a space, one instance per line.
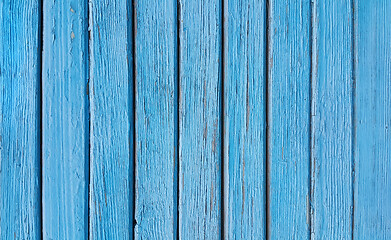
x=331 y=120
x=372 y=152
x=111 y=120
x=20 y=91
x=289 y=118
x=200 y=111
x=156 y=119
x=65 y=120
x=245 y=119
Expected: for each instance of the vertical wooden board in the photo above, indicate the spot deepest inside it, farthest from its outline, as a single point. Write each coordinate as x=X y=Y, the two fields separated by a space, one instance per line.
x=332 y=84
x=20 y=200
x=199 y=119
x=244 y=119
x=111 y=137
x=289 y=101
x=64 y=120
x=372 y=209
x=156 y=120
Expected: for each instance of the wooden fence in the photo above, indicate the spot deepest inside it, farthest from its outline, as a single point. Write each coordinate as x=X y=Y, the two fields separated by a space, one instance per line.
x=186 y=119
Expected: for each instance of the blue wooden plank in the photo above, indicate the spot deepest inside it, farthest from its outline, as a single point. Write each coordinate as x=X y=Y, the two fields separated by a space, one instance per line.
x=111 y=121
x=156 y=119
x=244 y=119
x=372 y=199
x=64 y=120
x=289 y=118
x=20 y=201
x=332 y=84
x=200 y=119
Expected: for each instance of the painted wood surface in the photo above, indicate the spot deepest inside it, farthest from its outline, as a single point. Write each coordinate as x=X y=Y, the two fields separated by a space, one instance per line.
x=195 y=119
x=20 y=174
x=289 y=95
x=111 y=137
x=244 y=119
x=65 y=126
x=372 y=150
x=156 y=119
x=331 y=120
x=200 y=111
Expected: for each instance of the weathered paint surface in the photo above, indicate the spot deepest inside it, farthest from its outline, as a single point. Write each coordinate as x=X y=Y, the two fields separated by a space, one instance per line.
x=289 y=118
x=331 y=120
x=372 y=150
x=156 y=119
x=200 y=119
x=111 y=141
x=244 y=119
x=64 y=120
x=20 y=206
x=185 y=119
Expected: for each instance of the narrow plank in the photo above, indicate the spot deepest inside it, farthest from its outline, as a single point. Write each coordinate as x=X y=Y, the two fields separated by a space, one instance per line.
x=372 y=209
x=20 y=200
x=332 y=84
x=64 y=120
x=200 y=119
x=244 y=119
x=156 y=120
x=111 y=121
x=289 y=101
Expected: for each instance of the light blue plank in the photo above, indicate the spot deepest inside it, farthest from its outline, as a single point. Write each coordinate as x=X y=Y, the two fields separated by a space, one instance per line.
x=289 y=114
x=332 y=84
x=65 y=120
x=20 y=201
x=200 y=119
x=156 y=120
x=111 y=121
x=245 y=119
x=372 y=209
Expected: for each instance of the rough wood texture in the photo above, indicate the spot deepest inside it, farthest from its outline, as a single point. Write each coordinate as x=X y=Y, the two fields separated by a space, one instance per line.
x=156 y=119
x=200 y=119
x=111 y=151
x=289 y=115
x=186 y=119
x=20 y=201
x=372 y=199
x=244 y=119
x=65 y=120
x=332 y=105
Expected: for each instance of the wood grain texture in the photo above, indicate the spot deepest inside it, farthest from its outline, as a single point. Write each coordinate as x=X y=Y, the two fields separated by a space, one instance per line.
x=200 y=119
x=332 y=105
x=111 y=150
x=289 y=114
x=187 y=119
x=20 y=171
x=65 y=120
x=244 y=119
x=372 y=200
x=156 y=120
